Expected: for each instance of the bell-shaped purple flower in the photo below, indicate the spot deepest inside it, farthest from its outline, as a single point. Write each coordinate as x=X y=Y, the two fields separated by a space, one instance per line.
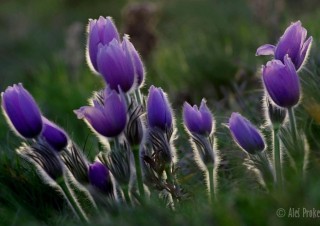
x=108 y=117
x=158 y=109
x=115 y=63
x=21 y=111
x=246 y=135
x=281 y=82
x=99 y=176
x=100 y=32
x=293 y=42
x=199 y=121
x=54 y=135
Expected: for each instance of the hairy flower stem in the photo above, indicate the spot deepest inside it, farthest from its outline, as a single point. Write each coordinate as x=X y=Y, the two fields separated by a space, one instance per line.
x=276 y=158
x=137 y=164
x=211 y=184
x=72 y=201
x=170 y=180
x=138 y=96
x=169 y=173
x=293 y=125
x=117 y=143
x=262 y=163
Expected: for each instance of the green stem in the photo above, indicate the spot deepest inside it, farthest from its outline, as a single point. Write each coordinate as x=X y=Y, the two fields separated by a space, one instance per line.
x=170 y=180
x=125 y=190
x=128 y=99
x=75 y=206
x=138 y=171
x=276 y=158
x=168 y=173
x=262 y=163
x=211 y=187
x=116 y=143
x=299 y=162
x=293 y=125
x=138 y=96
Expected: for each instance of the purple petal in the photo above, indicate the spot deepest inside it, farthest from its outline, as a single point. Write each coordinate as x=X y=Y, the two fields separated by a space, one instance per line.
x=100 y=32
x=158 y=109
x=246 y=135
x=303 y=53
x=281 y=82
x=115 y=114
x=92 y=44
x=99 y=177
x=192 y=118
x=95 y=118
x=54 y=135
x=116 y=66
x=22 y=111
x=207 y=119
x=137 y=63
x=109 y=32
x=109 y=118
x=266 y=49
x=291 y=42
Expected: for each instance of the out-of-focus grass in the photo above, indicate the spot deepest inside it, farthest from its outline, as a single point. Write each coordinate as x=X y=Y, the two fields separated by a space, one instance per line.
x=33 y=34
x=212 y=46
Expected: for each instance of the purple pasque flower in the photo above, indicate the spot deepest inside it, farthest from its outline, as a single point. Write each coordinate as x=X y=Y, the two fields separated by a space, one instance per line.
x=54 y=135
x=158 y=109
x=99 y=176
x=107 y=117
x=100 y=32
x=116 y=65
x=293 y=42
x=22 y=111
x=246 y=135
x=281 y=82
x=199 y=121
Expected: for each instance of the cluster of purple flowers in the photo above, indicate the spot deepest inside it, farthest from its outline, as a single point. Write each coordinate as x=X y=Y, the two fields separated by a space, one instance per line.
x=138 y=133
x=280 y=80
x=280 y=75
x=282 y=94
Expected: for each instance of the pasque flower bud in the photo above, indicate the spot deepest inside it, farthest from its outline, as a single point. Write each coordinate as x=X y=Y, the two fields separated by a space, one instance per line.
x=199 y=121
x=158 y=109
x=246 y=135
x=21 y=111
x=54 y=135
x=99 y=176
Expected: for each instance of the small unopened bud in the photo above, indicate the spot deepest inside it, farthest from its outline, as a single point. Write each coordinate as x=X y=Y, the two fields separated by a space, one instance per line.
x=99 y=176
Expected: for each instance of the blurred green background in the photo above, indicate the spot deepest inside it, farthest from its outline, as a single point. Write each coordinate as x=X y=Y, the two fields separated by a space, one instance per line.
x=191 y=48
